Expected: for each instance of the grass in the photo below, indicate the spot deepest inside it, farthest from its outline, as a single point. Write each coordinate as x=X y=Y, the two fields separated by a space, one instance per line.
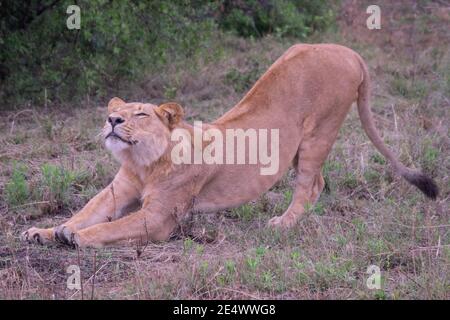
x=55 y=186
x=16 y=189
x=52 y=164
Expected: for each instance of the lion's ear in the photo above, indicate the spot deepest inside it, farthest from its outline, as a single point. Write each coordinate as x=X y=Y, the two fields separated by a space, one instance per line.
x=114 y=103
x=171 y=113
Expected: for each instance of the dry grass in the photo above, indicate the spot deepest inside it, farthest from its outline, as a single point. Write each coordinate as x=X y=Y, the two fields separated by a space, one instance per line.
x=365 y=216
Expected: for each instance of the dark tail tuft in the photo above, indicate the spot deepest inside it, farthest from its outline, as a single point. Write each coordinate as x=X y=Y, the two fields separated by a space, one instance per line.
x=424 y=183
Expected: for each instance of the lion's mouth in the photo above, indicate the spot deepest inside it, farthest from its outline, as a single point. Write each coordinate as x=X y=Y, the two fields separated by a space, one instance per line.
x=112 y=134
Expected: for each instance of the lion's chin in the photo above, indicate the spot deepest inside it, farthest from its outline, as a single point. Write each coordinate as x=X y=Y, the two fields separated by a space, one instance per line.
x=141 y=153
x=116 y=146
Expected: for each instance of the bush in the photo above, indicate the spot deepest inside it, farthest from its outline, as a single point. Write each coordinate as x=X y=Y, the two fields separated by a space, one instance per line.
x=55 y=187
x=16 y=189
x=119 y=42
x=298 y=18
x=241 y=81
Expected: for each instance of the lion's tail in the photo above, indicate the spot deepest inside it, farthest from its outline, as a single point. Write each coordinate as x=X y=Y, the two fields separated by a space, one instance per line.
x=417 y=178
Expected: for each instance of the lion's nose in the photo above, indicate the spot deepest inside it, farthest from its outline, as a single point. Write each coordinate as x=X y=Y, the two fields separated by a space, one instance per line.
x=115 y=121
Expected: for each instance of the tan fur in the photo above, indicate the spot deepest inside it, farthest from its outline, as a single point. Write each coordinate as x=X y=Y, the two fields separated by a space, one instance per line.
x=306 y=94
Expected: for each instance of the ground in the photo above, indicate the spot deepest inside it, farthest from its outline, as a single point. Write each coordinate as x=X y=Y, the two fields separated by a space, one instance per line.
x=52 y=162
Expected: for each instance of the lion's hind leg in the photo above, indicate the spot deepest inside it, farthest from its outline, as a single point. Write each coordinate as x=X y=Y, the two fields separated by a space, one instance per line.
x=309 y=181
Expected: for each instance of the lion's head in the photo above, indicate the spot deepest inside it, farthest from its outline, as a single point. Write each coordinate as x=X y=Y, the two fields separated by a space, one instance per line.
x=139 y=132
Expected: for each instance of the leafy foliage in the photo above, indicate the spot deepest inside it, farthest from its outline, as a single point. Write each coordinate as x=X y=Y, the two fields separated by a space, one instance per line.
x=255 y=18
x=55 y=186
x=16 y=189
x=241 y=81
x=116 y=43
x=43 y=62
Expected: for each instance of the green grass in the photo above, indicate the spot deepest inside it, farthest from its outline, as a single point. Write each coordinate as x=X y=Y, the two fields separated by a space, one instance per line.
x=408 y=88
x=56 y=183
x=365 y=216
x=243 y=80
x=16 y=189
x=244 y=212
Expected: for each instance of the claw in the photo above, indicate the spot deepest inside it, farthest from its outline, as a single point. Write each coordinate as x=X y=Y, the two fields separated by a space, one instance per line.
x=36 y=235
x=24 y=236
x=37 y=238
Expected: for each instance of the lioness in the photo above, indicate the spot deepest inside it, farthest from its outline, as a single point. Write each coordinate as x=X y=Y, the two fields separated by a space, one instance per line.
x=306 y=94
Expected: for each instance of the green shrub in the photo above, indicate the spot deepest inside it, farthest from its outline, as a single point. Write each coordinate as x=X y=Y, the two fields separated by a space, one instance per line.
x=408 y=88
x=244 y=212
x=242 y=81
x=378 y=158
x=118 y=42
x=55 y=186
x=16 y=189
x=430 y=157
x=121 y=42
x=298 y=18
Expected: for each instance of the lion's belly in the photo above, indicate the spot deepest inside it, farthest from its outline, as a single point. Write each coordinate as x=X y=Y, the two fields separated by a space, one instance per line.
x=234 y=184
x=237 y=191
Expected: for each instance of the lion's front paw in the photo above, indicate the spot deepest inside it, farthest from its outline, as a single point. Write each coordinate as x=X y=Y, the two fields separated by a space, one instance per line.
x=36 y=235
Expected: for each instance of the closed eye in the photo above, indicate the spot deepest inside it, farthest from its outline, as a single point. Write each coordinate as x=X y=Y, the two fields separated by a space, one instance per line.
x=141 y=114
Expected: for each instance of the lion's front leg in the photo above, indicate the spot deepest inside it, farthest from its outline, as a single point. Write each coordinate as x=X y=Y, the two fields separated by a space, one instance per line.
x=141 y=226
x=106 y=206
